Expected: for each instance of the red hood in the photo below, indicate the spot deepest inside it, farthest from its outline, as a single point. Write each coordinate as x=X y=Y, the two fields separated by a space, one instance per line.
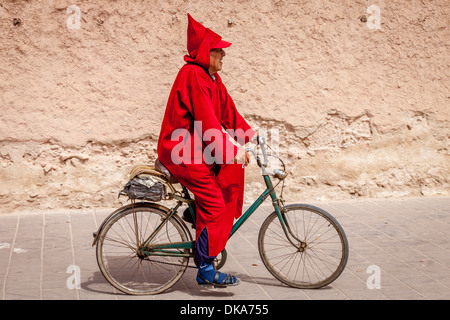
x=200 y=41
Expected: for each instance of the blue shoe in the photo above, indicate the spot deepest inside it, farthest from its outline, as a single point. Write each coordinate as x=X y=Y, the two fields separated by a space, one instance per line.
x=208 y=276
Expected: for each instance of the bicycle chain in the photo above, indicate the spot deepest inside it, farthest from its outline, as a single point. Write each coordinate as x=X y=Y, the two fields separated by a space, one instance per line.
x=169 y=263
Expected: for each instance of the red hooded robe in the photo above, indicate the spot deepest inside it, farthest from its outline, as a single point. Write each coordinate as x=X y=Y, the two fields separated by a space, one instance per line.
x=199 y=97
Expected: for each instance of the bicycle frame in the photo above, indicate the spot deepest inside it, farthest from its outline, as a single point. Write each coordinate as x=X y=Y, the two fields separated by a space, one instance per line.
x=165 y=248
x=173 y=248
x=269 y=191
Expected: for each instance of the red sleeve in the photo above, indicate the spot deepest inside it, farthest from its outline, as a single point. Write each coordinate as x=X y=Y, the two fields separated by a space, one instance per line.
x=238 y=128
x=198 y=100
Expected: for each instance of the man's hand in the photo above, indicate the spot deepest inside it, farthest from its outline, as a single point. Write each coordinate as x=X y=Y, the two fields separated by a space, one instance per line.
x=247 y=159
x=242 y=157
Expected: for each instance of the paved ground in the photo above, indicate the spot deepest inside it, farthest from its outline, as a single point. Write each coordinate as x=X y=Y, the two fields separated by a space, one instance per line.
x=406 y=240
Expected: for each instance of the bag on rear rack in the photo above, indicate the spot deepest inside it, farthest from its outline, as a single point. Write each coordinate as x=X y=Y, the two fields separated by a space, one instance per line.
x=144 y=188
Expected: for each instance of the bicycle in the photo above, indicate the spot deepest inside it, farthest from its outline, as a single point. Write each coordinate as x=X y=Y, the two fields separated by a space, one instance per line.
x=144 y=248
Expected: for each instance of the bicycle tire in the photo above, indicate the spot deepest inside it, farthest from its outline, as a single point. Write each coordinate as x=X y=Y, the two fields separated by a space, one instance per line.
x=117 y=251
x=304 y=266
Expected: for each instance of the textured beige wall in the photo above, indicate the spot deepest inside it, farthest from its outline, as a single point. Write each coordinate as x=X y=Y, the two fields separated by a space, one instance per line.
x=360 y=111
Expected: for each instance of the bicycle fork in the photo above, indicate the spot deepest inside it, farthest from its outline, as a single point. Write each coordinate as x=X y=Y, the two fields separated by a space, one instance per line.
x=280 y=211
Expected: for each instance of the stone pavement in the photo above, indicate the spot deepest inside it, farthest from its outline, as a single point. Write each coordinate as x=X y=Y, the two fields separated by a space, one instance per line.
x=402 y=243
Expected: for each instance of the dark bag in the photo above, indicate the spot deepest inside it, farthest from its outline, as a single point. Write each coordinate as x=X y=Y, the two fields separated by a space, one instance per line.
x=144 y=188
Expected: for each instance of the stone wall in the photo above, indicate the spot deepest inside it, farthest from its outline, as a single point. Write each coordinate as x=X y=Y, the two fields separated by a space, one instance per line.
x=357 y=93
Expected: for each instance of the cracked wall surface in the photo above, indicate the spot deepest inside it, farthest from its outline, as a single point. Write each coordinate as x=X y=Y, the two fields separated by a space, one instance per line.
x=353 y=111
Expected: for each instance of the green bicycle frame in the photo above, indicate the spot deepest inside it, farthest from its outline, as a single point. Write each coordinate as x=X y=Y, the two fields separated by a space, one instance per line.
x=269 y=190
x=173 y=248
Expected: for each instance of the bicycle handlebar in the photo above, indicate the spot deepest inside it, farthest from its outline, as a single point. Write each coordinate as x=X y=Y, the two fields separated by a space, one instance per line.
x=261 y=142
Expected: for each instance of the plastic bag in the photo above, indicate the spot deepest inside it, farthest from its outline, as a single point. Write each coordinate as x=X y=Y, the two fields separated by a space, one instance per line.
x=144 y=188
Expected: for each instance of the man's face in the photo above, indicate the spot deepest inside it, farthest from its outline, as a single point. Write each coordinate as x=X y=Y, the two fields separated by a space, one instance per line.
x=215 y=60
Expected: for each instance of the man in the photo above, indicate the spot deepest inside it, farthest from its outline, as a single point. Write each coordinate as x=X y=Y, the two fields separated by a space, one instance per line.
x=196 y=149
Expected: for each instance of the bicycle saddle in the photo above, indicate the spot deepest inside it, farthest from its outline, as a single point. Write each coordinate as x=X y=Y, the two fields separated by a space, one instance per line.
x=162 y=169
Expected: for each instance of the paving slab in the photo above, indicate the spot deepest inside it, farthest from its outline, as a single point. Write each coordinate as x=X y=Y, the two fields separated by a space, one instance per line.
x=406 y=241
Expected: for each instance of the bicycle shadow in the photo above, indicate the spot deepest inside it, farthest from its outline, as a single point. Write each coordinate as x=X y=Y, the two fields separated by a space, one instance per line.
x=187 y=286
x=271 y=282
x=98 y=284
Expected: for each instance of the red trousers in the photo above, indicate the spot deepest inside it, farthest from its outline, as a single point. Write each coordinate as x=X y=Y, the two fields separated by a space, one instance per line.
x=219 y=193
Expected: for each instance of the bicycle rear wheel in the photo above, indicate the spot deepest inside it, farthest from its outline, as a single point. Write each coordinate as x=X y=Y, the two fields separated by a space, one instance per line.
x=317 y=251
x=122 y=263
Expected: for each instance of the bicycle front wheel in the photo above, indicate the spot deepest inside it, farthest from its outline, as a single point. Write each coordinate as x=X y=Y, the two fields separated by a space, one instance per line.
x=122 y=263
x=314 y=255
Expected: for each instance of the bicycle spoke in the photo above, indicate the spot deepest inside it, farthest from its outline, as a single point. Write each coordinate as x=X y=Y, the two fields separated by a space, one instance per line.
x=120 y=258
x=316 y=260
